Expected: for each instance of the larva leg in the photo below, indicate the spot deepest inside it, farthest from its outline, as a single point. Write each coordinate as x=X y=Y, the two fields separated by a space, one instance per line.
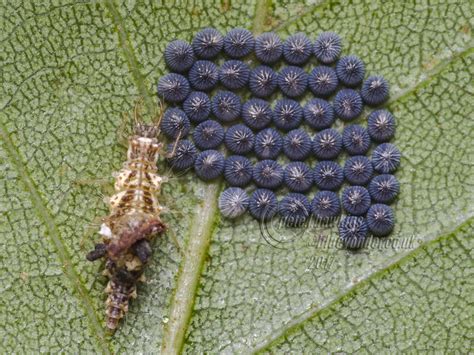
x=91 y=229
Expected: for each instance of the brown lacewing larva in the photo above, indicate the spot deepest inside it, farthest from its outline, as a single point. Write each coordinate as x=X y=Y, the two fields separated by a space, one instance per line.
x=133 y=222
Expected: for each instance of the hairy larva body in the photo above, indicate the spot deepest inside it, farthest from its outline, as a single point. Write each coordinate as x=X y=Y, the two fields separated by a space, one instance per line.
x=134 y=220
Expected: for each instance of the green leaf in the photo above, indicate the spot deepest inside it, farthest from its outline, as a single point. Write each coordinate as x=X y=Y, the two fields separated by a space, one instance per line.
x=69 y=72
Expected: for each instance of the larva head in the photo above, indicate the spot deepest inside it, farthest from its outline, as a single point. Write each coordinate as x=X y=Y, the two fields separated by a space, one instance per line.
x=147 y=130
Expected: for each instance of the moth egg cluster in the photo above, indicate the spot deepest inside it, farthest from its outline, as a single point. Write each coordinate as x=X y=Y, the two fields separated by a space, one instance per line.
x=273 y=115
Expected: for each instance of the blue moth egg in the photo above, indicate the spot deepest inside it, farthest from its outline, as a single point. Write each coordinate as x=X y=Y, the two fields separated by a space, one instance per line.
x=238 y=43
x=268 y=48
x=327 y=144
x=238 y=170
x=298 y=176
x=348 y=104
x=239 y=139
x=355 y=140
x=353 y=231
x=268 y=144
x=173 y=87
x=318 y=114
x=267 y=174
x=322 y=81
x=292 y=81
x=350 y=70
x=226 y=106
x=327 y=47
x=328 y=175
x=234 y=74
x=384 y=188
x=381 y=125
x=297 y=49
x=294 y=209
x=175 y=123
x=181 y=155
x=325 y=206
x=233 y=202
x=257 y=113
x=380 y=219
x=179 y=56
x=197 y=106
x=209 y=165
x=386 y=158
x=375 y=90
x=203 y=75
x=358 y=170
x=207 y=43
x=297 y=144
x=263 y=81
x=287 y=114
x=356 y=200
x=263 y=204
x=208 y=134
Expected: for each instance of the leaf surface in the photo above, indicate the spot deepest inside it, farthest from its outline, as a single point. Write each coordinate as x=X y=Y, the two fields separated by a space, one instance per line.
x=70 y=70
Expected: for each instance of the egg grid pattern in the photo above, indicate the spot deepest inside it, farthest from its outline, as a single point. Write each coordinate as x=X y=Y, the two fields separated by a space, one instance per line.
x=271 y=115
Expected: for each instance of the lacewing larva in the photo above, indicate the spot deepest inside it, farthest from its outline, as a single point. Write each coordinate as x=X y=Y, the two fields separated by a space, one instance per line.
x=134 y=220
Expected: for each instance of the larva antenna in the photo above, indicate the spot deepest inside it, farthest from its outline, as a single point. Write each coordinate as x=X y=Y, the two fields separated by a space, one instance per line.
x=161 y=110
x=137 y=111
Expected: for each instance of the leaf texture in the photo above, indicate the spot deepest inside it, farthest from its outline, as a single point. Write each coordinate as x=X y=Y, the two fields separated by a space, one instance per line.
x=70 y=70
